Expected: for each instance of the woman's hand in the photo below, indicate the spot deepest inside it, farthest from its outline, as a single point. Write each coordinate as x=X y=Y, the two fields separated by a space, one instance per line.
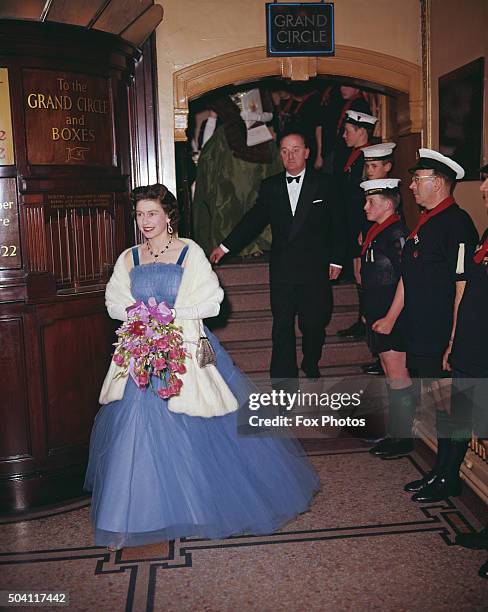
x=383 y=326
x=445 y=358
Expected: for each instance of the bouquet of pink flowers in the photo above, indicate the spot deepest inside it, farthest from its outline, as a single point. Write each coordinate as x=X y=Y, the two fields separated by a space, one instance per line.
x=149 y=344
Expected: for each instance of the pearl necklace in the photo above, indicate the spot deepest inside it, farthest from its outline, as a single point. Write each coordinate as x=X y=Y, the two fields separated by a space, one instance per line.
x=156 y=255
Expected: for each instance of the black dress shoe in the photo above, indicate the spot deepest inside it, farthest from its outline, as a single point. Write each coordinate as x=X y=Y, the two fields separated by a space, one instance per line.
x=483 y=571
x=374 y=369
x=383 y=446
x=417 y=485
x=400 y=447
x=312 y=373
x=475 y=541
x=356 y=331
x=438 y=490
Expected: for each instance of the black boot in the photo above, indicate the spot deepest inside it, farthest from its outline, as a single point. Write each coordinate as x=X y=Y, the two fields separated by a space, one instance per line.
x=400 y=420
x=443 y=446
x=447 y=483
x=475 y=541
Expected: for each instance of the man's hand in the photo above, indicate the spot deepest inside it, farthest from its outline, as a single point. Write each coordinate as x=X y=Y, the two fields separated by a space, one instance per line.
x=334 y=272
x=383 y=326
x=216 y=255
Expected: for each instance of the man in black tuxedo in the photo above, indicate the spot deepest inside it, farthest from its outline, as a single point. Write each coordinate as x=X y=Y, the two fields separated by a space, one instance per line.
x=307 y=250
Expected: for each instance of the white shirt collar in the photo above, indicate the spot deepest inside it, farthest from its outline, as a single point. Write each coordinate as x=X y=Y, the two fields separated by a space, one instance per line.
x=300 y=174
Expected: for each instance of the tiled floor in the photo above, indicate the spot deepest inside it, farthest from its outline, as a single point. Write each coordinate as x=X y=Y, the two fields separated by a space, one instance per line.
x=363 y=545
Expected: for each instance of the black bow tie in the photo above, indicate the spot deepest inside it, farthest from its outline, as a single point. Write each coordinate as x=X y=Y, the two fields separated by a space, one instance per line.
x=290 y=179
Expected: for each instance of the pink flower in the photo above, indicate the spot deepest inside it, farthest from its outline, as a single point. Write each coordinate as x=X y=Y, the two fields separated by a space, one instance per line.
x=181 y=368
x=162 y=343
x=142 y=379
x=118 y=359
x=145 y=350
x=164 y=393
x=159 y=364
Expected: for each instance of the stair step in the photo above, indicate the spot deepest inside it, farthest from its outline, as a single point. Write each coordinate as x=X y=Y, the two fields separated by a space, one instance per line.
x=335 y=371
x=256 y=297
x=257 y=324
x=255 y=355
x=243 y=274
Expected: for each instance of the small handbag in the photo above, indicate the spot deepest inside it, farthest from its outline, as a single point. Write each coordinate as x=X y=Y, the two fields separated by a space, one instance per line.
x=205 y=354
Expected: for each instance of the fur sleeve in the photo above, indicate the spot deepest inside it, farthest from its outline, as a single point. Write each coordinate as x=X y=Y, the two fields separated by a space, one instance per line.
x=117 y=292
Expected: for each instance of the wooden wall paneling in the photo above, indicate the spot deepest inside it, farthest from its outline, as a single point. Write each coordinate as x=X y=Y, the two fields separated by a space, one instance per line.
x=15 y=435
x=35 y=246
x=405 y=156
x=75 y=13
x=143 y=119
x=118 y=14
x=74 y=374
x=27 y=9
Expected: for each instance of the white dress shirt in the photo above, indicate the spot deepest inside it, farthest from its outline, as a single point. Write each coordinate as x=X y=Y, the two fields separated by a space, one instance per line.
x=294 y=189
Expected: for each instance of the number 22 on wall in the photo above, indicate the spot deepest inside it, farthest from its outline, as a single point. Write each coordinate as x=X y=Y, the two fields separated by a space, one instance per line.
x=8 y=250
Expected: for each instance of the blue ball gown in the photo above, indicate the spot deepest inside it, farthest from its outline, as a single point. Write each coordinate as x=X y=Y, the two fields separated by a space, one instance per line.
x=156 y=475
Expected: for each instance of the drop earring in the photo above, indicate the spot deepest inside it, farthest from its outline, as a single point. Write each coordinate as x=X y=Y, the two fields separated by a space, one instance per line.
x=170 y=228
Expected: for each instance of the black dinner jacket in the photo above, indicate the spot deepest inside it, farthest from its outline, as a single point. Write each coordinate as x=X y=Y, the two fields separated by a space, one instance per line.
x=303 y=244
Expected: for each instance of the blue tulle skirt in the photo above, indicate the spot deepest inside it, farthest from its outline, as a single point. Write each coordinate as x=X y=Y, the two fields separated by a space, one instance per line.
x=156 y=475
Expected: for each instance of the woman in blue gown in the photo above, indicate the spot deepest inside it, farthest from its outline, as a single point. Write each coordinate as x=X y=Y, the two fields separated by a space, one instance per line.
x=158 y=471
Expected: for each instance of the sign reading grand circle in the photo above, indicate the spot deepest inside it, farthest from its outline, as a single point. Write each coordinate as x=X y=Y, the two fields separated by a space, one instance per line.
x=300 y=28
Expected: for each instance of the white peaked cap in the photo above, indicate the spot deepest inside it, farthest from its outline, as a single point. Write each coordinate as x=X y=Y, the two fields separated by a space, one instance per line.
x=378 y=151
x=379 y=185
x=361 y=119
x=433 y=160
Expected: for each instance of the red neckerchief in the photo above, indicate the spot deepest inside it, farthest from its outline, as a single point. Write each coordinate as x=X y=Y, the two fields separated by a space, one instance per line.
x=377 y=229
x=344 y=110
x=481 y=252
x=353 y=155
x=301 y=102
x=426 y=215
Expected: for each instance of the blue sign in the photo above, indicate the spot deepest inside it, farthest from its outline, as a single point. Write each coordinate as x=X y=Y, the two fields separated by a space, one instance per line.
x=297 y=28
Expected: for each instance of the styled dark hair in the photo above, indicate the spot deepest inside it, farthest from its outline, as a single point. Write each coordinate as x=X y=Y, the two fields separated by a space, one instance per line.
x=161 y=194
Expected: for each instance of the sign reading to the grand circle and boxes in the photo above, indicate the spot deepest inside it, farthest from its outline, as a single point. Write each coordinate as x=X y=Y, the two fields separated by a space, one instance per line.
x=69 y=118
x=300 y=29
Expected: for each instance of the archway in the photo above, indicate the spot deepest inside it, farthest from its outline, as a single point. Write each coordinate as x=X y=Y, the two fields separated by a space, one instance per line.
x=391 y=74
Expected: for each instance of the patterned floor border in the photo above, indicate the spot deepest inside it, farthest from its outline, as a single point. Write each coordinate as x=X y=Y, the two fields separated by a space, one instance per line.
x=446 y=518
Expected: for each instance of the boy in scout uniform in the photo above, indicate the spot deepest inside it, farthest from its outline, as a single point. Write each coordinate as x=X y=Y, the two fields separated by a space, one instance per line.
x=378 y=163
x=358 y=130
x=381 y=256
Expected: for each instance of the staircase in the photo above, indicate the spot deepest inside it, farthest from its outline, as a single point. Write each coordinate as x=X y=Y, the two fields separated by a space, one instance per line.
x=244 y=324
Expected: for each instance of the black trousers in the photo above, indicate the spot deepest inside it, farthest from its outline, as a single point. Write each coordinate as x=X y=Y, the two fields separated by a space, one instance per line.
x=312 y=302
